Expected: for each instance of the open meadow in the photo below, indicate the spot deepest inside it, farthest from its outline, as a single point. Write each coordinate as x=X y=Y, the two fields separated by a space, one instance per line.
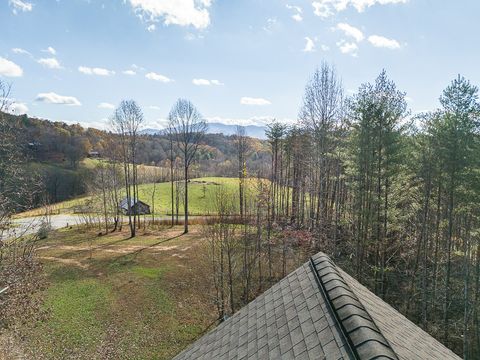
x=201 y=195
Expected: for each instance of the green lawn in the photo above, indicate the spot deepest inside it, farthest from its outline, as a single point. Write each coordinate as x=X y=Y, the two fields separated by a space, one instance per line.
x=142 y=298
x=201 y=193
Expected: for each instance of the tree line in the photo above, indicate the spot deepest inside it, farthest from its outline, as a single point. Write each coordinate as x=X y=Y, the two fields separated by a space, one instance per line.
x=392 y=197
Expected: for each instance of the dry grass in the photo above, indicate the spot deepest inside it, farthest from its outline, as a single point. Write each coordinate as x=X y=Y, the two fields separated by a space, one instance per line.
x=112 y=297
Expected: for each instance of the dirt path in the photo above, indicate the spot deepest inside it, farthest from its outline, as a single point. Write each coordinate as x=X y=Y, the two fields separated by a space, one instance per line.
x=119 y=249
x=122 y=250
x=65 y=261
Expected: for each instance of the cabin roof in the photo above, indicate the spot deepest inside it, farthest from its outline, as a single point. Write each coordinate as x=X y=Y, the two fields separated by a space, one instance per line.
x=317 y=312
x=133 y=201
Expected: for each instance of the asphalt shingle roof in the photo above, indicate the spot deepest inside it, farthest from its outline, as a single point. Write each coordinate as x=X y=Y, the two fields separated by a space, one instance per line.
x=124 y=203
x=317 y=312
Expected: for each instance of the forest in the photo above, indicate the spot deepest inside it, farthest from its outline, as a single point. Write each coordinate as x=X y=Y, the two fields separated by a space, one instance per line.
x=392 y=197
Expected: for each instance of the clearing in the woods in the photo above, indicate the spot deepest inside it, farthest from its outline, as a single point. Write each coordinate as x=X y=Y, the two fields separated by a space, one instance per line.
x=201 y=194
x=120 y=298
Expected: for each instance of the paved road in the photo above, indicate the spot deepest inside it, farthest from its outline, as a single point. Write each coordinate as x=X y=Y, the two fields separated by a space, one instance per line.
x=30 y=225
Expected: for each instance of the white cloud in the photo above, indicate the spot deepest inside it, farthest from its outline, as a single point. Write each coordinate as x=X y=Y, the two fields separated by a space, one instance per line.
x=177 y=12
x=9 y=68
x=129 y=72
x=309 y=46
x=325 y=47
x=349 y=48
x=297 y=16
x=158 y=77
x=205 y=82
x=322 y=9
x=50 y=63
x=151 y=27
x=256 y=120
x=102 y=124
x=351 y=31
x=136 y=67
x=18 y=108
x=162 y=123
x=20 y=5
x=105 y=105
x=53 y=98
x=380 y=41
x=21 y=51
x=327 y=8
x=50 y=50
x=272 y=24
x=95 y=71
x=157 y=124
x=201 y=82
x=254 y=101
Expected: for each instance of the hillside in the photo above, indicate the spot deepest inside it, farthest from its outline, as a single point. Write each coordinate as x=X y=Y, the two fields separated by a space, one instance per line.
x=67 y=145
x=253 y=131
x=201 y=197
x=63 y=156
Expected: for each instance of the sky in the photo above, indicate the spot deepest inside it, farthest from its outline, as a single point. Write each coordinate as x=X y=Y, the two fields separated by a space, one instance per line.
x=239 y=61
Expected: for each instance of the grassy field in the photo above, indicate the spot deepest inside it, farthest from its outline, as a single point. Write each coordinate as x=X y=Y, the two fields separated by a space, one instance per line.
x=201 y=192
x=143 y=170
x=112 y=297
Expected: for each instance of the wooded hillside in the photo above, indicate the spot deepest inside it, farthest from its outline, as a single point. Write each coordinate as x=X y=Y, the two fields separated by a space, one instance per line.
x=55 y=150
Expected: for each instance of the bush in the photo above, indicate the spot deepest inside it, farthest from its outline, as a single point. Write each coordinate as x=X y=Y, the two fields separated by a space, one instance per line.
x=44 y=230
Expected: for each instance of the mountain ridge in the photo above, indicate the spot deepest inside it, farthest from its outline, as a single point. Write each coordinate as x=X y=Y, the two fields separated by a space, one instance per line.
x=255 y=131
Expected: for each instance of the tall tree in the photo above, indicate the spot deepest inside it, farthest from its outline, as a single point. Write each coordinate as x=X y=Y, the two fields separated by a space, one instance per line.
x=456 y=134
x=376 y=113
x=188 y=128
x=171 y=160
x=241 y=143
x=126 y=122
x=321 y=114
x=275 y=134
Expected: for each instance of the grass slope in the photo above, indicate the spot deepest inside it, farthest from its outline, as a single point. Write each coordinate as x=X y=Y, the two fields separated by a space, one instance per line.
x=142 y=298
x=201 y=194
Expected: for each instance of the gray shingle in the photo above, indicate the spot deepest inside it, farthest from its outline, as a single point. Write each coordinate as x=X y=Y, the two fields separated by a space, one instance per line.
x=295 y=320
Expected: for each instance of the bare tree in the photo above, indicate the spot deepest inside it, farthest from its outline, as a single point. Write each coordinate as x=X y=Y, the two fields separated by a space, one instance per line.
x=241 y=143
x=20 y=275
x=188 y=128
x=172 y=160
x=126 y=122
x=320 y=114
x=114 y=180
x=223 y=248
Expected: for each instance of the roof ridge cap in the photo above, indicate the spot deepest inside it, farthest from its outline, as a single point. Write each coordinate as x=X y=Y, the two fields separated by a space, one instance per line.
x=363 y=336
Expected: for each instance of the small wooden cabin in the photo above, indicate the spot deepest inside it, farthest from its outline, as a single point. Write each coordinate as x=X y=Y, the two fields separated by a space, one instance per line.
x=136 y=207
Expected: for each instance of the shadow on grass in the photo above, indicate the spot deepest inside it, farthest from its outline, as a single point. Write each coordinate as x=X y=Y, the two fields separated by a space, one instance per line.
x=69 y=254
x=125 y=258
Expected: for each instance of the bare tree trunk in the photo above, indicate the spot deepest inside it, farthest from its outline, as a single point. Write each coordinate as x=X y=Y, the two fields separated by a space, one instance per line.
x=185 y=231
x=171 y=177
x=446 y=304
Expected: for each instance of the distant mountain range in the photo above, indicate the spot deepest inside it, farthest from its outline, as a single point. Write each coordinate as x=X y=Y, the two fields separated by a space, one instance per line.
x=218 y=128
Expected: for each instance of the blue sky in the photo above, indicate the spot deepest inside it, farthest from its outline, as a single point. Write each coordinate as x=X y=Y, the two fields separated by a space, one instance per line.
x=238 y=61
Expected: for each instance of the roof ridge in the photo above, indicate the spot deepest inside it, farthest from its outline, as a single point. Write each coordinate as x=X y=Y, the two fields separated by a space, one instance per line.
x=365 y=339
